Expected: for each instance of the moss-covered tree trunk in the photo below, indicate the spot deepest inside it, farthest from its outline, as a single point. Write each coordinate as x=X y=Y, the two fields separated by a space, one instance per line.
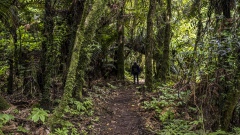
x=158 y=51
x=13 y=61
x=167 y=39
x=3 y=104
x=10 y=76
x=149 y=46
x=73 y=18
x=232 y=88
x=120 y=42
x=94 y=17
x=46 y=57
x=72 y=71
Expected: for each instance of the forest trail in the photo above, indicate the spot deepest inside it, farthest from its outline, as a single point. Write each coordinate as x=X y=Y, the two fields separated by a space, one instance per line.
x=119 y=114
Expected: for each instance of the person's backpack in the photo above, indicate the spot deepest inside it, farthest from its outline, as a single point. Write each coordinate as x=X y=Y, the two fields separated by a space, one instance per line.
x=135 y=70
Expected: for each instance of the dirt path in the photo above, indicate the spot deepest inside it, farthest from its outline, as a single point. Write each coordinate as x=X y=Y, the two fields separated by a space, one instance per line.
x=120 y=113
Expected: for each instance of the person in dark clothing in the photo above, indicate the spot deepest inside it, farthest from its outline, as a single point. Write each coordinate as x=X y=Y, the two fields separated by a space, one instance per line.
x=135 y=72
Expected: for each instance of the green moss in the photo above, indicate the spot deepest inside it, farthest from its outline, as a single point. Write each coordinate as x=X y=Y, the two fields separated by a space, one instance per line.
x=229 y=106
x=3 y=104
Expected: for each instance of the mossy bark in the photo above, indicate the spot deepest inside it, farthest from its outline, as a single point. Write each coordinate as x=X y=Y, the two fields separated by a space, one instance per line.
x=13 y=61
x=72 y=71
x=229 y=105
x=158 y=54
x=73 y=18
x=3 y=104
x=10 y=77
x=46 y=56
x=149 y=46
x=167 y=39
x=120 y=43
x=231 y=95
x=85 y=53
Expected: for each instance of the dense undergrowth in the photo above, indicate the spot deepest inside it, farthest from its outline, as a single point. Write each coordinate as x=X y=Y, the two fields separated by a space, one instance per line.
x=25 y=116
x=75 y=120
x=168 y=110
x=174 y=112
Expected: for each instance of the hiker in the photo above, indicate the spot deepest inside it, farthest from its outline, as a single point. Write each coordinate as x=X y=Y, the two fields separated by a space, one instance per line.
x=135 y=72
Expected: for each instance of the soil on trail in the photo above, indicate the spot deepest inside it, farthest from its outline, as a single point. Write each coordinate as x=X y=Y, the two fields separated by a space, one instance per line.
x=119 y=113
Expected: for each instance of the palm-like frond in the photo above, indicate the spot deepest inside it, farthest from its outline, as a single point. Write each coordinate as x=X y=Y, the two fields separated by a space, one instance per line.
x=4 y=9
x=8 y=14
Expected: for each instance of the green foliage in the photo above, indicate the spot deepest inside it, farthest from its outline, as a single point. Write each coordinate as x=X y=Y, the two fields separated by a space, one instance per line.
x=219 y=132
x=161 y=107
x=4 y=118
x=38 y=114
x=74 y=108
x=79 y=108
x=111 y=86
x=177 y=127
x=3 y=104
x=3 y=70
x=164 y=104
x=236 y=130
x=63 y=131
x=22 y=129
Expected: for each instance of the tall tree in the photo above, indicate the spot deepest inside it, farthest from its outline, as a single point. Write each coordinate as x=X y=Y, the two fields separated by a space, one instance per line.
x=120 y=42
x=46 y=56
x=167 y=39
x=8 y=16
x=93 y=19
x=231 y=94
x=72 y=71
x=158 y=53
x=149 y=46
x=73 y=17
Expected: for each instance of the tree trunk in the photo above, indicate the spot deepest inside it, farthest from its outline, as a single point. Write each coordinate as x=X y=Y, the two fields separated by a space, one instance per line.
x=72 y=71
x=10 y=77
x=3 y=104
x=231 y=94
x=167 y=39
x=73 y=17
x=158 y=53
x=85 y=54
x=13 y=62
x=120 y=43
x=149 y=46
x=46 y=57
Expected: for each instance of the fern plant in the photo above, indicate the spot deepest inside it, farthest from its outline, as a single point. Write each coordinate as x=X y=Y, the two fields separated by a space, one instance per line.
x=4 y=118
x=38 y=114
x=61 y=131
